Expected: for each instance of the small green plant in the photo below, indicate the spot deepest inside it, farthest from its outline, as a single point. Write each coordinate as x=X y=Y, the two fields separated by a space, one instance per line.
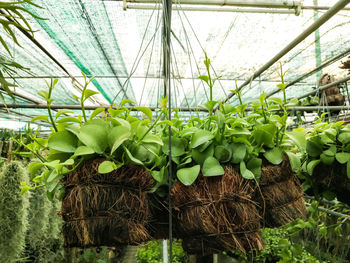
x=13 y=213
x=152 y=253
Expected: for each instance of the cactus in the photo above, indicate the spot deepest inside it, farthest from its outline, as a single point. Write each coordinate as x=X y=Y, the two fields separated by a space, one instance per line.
x=13 y=212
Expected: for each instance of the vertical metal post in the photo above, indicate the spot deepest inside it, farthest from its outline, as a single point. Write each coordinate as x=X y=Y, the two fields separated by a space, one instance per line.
x=167 y=6
x=165 y=251
x=317 y=45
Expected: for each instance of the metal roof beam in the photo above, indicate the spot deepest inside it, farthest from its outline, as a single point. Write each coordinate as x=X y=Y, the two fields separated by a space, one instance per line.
x=324 y=18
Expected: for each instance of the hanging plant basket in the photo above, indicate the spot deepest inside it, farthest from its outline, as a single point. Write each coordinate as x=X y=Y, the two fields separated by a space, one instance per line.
x=280 y=195
x=217 y=214
x=332 y=178
x=106 y=209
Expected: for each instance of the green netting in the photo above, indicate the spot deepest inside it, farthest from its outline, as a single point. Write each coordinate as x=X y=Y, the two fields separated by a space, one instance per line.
x=100 y=39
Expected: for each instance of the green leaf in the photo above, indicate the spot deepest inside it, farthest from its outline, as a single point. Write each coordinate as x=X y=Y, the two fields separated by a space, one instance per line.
x=276 y=100
x=294 y=161
x=188 y=175
x=131 y=157
x=68 y=119
x=118 y=121
x=209 y=105
x=125 y=101
x=311 y=166
x=177 y=146
x=152 y=138
x=274 y=156
x=96 y=112
x=344 y=137
x=94 y=136
x=146 y=111
x=298 y=138
x=40 y=118
x=53 y=176
x=326 y=159
x=200 y=157
x=222 y=153
x=247 y=174
x=204 y=78
x=83 y=150
x=212 y=167
x=73 y=128
x=348 y=169
x=265 y=134
x=88 y=93
x=342 y=157
x=254 y=165
x=220 y=119
x=106 y=167
x=117 y=136
x=44 y=94
x=313 y=148
x=61 y=112
x=200 y=137
x=33 y=168
x=63 y=141
x=239 y=151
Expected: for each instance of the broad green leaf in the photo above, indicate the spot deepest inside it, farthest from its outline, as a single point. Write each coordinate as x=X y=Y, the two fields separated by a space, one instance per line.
x=152 y=138
x=53 y=176
x=276 y=100
x=117 y=136
x=344 y=137
x=96 y=112
x=94 y=136
x=342 y=157
x=254 y=165
x=73 y=128
x=274 y=156
x=188 y=175
x=68 y=119
x=265 y=134
x=220 y=119
x=200 y=157
x=44 y=94
x=311 y=166
x=326 y=159
x=146 y=111
x=33 y=168
x=106 y=167
x=222 y=153
x=83 y=150
x=239 y=151
x=40 y=118
x=294 y=161
x=209 y=105
x=120 y=121
x=313 y=148
x=200 y=137
x=63 y=141
x=131 y=157
x=212 y=167
x=177 y=146
x=247 y=174
x=298 y=138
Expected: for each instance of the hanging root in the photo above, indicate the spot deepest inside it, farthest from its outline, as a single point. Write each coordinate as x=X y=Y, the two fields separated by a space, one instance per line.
x=217 y=213
x=106 y=209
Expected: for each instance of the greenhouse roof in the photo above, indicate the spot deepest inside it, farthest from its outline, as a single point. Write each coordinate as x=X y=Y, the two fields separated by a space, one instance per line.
x=123 y=51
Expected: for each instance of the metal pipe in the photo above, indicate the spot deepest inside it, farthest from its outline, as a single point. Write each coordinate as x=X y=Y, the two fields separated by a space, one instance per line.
x=87 y=107
x=315 y=108
x=325 y=64
x=324 y=87
x=248 y=3
x=324 y=18
x=215 y=9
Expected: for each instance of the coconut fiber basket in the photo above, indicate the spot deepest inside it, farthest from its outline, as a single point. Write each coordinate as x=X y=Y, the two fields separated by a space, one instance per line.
x=217 y=214
x=106 y=209
x=280 y=194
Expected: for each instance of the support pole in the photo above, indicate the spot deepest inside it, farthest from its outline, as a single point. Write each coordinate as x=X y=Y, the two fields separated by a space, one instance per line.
x=330 y=13
x=167 y=5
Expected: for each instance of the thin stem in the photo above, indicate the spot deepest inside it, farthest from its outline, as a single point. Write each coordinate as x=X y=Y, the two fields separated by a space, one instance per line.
x=152 y=126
